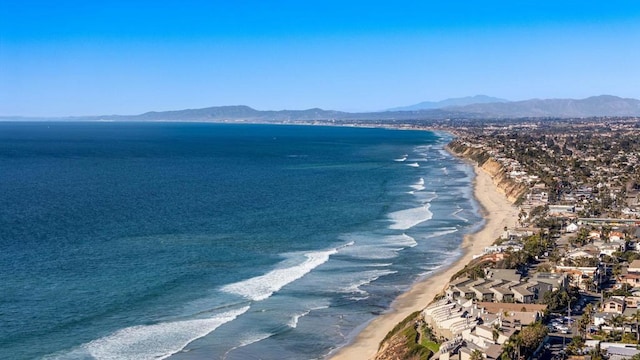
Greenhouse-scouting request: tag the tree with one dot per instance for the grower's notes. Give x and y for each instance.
(532, 336)
(618, 321)
(583, 322)
(495, 332)
(577, 343)
(635, 318)
(476, 355)
(508, 351)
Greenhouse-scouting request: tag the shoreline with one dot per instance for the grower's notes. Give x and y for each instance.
(497, 212)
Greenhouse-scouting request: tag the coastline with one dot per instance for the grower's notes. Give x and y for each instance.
(497, 211)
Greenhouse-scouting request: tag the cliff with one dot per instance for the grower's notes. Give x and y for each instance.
(505, 184)
(405, 341)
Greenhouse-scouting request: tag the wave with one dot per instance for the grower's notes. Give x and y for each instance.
(403, 158)
(413, 164)
(425, 196)
(373, 252)
(455, 214)
(252, 339)
(407, 241)
(262, 287)
(406, 219)
(369, 277)
(153, 342)
(444, 170)
(441, 233)
(419, 185)
(375, 247)
(293, 323)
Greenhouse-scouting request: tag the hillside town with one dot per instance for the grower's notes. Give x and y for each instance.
(565, 282)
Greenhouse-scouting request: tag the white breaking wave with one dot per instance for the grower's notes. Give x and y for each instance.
(441, 233)
(263, 286)
(293, 323)
(455, 213)
(368, 277)
(413, 164)
(153, 342)
(425, 196)
(380, 265)
(406, 219)
(374, 247)
(407, 241)
(419, 185)
(252, 339)
(403, 158)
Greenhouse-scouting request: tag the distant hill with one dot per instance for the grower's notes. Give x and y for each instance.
(234, 113)
(468, 100)
(603, 105)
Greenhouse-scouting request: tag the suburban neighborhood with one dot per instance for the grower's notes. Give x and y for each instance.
(565, 282)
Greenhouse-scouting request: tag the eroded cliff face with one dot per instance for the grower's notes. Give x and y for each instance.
(505, 184)
(404, 342)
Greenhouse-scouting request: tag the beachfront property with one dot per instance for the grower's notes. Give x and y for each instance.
(506, 285)
(482, 326)
(449, 319)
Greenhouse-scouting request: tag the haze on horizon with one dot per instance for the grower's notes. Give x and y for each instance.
(74, 58)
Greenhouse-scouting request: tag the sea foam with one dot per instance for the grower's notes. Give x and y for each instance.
(251, 338)
(153, 342)
(419, 185)
(364, 278)
(262, 287)
(406, 219)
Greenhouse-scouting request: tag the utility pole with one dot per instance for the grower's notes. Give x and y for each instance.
(564, 338)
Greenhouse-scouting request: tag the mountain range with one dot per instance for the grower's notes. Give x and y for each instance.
(479, 106)
(474, 107)
(452, 102)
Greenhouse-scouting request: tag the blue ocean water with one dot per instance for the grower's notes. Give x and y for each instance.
(201, 241)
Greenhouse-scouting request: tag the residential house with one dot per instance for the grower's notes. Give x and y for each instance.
(614, 304)
(523, 294)
(616, 236)
(450, 318)
(581, 277)
(502, 294)
(571, 228)
(557, 281)
(632, 301)
(629, 278)
(502, 274)
(634, 267)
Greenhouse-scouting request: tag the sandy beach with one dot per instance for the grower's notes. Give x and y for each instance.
(498, 213)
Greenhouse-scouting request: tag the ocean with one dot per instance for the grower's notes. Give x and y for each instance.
(216, 241)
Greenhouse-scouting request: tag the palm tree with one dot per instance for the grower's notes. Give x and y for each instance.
(476, 355)
(508, 351)
(616, 321)
(635, 317)
(517, 342)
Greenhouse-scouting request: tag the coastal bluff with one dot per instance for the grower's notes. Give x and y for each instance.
(512, 189)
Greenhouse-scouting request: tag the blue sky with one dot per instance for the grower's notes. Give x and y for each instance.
(62, 57)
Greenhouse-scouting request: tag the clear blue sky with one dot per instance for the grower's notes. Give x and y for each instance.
(127, 57)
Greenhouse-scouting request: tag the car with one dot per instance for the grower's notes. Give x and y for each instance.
(563, 329)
